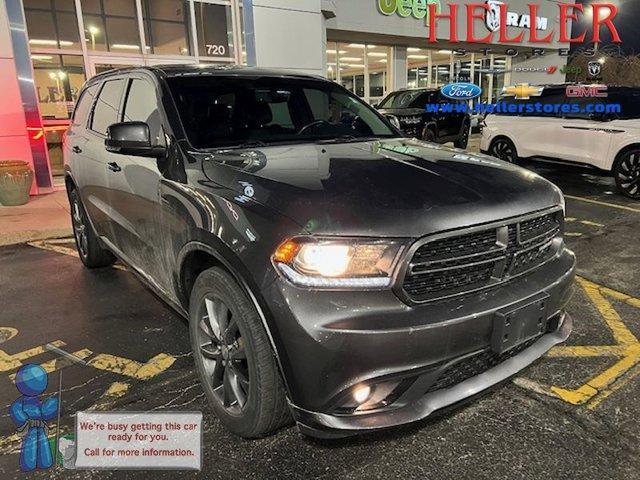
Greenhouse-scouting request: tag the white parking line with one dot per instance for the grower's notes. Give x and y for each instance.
(604, 204)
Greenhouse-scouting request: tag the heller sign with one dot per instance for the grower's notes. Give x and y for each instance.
(497, 18)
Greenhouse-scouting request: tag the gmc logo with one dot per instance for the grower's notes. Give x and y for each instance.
(590, 91)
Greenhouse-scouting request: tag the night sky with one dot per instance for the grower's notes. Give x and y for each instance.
(627, 23)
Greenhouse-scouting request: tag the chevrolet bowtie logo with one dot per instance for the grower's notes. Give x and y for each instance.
(522, 91)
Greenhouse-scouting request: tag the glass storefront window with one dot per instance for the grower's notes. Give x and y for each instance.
(418, 67)
(52, 24)
(332, 61)
(352, 67)
(111, 25)
(58, 80)
(214, 27)
(500, 64)
(378, 60)
(166, 27)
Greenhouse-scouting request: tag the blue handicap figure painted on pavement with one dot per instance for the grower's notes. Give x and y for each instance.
(30, 415)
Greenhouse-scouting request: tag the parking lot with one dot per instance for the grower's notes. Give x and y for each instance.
(574, 414)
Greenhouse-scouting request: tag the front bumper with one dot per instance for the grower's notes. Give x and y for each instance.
(330, 342)
(334, 426)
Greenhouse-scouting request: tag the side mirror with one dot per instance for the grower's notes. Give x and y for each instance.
(132, 138)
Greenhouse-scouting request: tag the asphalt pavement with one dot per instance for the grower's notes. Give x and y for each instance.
(574, 414)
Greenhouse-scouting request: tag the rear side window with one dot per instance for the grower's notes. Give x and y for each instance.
(142, 106)
(105, 112)
(83, 107)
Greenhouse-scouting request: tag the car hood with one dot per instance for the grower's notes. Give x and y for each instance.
(387, 188)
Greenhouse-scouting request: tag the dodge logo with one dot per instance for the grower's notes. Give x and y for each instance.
(595, 68)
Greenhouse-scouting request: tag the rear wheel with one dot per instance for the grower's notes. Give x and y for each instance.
(504, 149)
(89, 249)
(627, 174)
(233, 357)
(463, 140)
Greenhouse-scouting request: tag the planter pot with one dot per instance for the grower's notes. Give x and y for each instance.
(15, 182)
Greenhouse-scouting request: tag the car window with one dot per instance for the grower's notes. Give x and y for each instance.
(402, 99)
(105, 112)
(629, 103)
(220, 111)
(83, 107)
(142, 106)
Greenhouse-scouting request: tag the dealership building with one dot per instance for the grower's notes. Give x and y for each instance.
(48, 48)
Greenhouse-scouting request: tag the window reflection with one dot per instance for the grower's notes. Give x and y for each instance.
(214, 27)
(166, 27)
(52, 24)
(111, 25)
(58, 80)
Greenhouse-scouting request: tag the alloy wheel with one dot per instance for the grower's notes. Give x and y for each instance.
(224, 356)
(504, 150)
(629, 174)
(80, 228)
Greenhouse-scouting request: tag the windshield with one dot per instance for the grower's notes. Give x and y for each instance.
(407, 99)
(226, 112)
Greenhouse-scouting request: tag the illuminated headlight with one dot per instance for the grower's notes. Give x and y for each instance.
(338, 263)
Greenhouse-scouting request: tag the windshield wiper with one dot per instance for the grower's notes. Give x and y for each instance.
(239, 146)
(346, 139)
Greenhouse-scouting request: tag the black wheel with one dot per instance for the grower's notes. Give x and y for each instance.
(429, 135)
(89, 249)
(463, 140)
(233, 357)
(627, 174)
(504, 149)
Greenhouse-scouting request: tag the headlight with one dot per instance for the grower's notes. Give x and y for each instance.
(394, 121)
(338, 263)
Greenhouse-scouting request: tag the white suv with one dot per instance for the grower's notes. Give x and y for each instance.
(609, 142)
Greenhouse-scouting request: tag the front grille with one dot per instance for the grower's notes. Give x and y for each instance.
(475, 365)
(458, 264)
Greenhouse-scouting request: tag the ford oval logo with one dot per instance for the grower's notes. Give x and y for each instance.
(461, 91)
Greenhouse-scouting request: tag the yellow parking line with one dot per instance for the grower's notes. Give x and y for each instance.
(573, 234)
(614, 388)
(11, 362)
(131, 368)
(59, 363)
(604, 204)
(620, 331)
(589, 223)
(115, 391)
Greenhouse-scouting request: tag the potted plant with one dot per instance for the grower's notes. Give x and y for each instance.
(15, 182)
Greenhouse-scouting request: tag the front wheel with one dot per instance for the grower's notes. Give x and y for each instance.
(627, 174)
(233, 357)
(504, 149)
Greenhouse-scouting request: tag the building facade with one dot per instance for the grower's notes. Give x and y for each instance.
(48, 48)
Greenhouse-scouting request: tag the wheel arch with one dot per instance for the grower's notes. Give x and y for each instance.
(196, 257)
(622, 152)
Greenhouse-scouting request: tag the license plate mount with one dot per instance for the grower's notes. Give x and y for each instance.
(519, 323)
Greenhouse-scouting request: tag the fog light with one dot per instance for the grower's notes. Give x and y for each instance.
(361, 393)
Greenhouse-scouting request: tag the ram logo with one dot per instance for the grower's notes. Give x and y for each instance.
(492, 15)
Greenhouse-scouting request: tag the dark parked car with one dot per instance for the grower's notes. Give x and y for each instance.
(332, 272)
(406, 109)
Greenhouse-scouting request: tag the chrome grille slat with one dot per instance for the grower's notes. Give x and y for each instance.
(464, 262)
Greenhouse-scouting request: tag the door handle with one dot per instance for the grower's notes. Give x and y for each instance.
(76, 149)
(114, 167)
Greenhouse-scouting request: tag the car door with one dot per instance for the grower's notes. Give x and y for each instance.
(584, 137)
(95, 176)
(538, 126)
(134, 186)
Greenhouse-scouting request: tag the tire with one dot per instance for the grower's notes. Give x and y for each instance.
(504, 149)
(233, 357)
(428, 135)
(463, 140)
(627, 174)
(89, 249)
